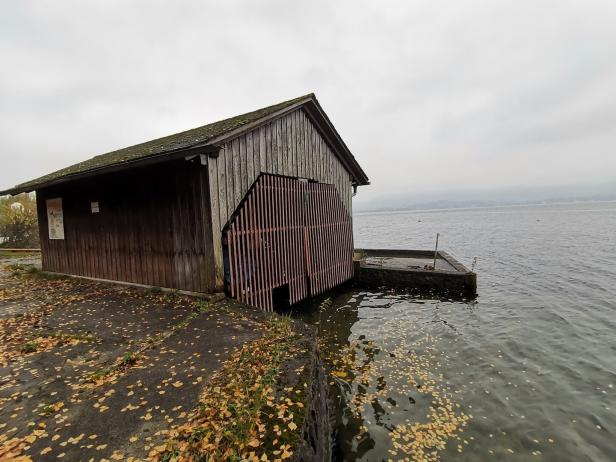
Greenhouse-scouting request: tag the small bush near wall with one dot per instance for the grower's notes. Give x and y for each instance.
(18, 222)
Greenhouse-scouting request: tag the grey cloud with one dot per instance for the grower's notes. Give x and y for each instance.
(432, 97)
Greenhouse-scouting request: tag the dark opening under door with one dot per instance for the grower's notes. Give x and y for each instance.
(289, 239)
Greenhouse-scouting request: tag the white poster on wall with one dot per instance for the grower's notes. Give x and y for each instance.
(55, 218)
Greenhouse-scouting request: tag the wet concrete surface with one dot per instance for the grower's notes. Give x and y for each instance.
(405, 263)
(15, 307)
(51, 406)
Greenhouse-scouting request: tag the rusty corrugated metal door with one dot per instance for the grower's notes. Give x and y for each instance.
(287, 233)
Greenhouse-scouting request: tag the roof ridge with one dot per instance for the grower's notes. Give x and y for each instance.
(176, 141)
(287, 102)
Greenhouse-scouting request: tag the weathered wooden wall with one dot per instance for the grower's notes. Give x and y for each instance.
(291, 146)
(153, 228)
(162, 225)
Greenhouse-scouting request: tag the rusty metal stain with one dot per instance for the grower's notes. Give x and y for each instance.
(287, 231)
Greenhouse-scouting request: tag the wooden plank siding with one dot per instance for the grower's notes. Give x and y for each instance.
(161, 225)
(290, 145)
(153, 227)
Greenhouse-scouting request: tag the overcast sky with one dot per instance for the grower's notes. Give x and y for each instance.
(433, 97)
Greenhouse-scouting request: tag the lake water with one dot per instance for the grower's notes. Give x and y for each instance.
(527, 371)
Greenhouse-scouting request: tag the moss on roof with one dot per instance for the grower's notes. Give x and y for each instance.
(182, 140)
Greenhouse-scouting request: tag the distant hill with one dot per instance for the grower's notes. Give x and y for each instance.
(469, 199)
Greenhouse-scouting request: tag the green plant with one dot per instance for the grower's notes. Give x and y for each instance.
(18, 270)
(281, 323)
(202, 306)
(86, 338)
(30, 271)
(49, 276)
(12, 254)
(29, 347)
(197, 435)
(170, 455)
(100, 373)
(129, 359)
(325, 304)
(171, 295)
(18, 221)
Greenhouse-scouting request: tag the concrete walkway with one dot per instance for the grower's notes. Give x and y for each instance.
(70, 400)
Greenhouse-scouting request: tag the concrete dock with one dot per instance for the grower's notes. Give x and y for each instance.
(413, 270)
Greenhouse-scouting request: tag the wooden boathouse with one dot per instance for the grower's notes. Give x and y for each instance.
(258, 205)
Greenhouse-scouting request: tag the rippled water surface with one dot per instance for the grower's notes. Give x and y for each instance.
(526, 371)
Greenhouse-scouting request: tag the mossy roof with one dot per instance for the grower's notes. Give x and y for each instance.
(199, 136)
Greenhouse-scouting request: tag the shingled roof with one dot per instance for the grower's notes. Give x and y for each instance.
(197, 137)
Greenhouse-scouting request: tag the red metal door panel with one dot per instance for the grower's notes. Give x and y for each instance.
(287, 232)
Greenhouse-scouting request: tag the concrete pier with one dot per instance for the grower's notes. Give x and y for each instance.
(413, 270)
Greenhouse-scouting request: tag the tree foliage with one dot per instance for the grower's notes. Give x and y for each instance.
(18, 222)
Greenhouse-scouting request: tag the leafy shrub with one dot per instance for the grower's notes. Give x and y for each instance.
(18, 222)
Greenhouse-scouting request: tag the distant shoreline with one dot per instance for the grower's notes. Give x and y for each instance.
(481, 207)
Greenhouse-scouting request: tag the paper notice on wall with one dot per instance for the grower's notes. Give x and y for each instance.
(55, 218)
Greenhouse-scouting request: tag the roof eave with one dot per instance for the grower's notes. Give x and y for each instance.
(162, 157)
